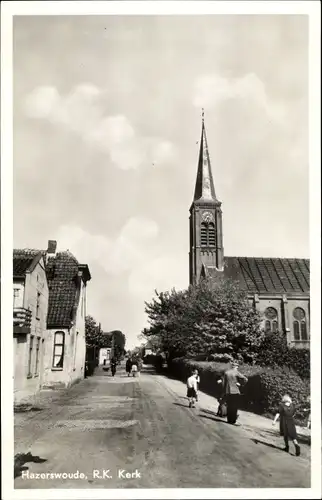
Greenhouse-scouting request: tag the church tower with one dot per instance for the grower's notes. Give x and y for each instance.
(206, 236)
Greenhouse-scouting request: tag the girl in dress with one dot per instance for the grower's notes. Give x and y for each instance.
(285, 413)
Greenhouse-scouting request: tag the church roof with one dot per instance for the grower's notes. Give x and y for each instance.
(204, 189)
(267, 275)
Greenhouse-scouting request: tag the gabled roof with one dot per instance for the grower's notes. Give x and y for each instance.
(25, 260)
(267, 275)
(63, 282)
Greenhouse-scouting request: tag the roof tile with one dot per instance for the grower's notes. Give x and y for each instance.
(270, 275)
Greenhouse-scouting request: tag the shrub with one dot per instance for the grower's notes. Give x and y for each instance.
(275, 352)
(264, 390)
(156, 360)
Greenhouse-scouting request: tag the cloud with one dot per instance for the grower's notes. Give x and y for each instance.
(128, 249)
(162, 273)
(211, 90)
(81, 112)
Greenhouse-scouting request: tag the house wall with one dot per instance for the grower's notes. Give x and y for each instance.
(29, 349)
(74, 350)
(290, 305)
(19, 286)
(285, 306)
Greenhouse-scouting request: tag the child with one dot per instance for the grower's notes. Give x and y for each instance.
(134, 370)
(198, 384)
(287, 425)
(192, 388)
(308, 424)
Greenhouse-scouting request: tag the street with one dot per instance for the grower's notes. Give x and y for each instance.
(139, 433)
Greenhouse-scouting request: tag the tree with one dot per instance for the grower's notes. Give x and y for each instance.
(118, 342)
(210, 319)
(94, 335)
(92, 332)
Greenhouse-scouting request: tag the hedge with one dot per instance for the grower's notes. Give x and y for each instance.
(263, 391)
(274, 351)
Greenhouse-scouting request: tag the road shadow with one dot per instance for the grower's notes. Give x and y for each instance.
(23, 408)
(215, 419)
(209, 412)
(180, 404)
(21, 459)
(303, 439)
(270, 445)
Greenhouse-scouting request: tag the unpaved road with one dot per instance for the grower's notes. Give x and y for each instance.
(121, 424)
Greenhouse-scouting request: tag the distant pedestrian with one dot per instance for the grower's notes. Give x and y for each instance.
(285, 414)
(128, 366)
(113, 366)
(231, 382)
(134, 369)
(192, 388)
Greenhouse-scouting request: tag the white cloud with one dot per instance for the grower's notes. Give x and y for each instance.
(128, 250)
(42, 102)
(160, 273)
(81, 112)
(211, 90)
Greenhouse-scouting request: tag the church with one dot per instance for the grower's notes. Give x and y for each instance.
(277, 287)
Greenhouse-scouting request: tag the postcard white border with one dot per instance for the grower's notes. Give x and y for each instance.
(8, 10)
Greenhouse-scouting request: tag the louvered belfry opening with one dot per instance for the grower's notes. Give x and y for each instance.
(207, 235)
(204, 234)
(211, 234)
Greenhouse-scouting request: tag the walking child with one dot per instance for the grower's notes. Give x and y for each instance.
(285, 414)
(134, 369)
(192, 389)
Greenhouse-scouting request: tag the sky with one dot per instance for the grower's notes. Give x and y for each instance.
(107, 117)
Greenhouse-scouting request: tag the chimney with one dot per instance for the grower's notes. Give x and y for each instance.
(51, 249)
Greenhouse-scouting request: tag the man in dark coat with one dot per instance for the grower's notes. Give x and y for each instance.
(128, 366)
(231, 383)
(113, 366)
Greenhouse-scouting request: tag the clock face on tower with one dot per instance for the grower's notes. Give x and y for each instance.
(207, 217)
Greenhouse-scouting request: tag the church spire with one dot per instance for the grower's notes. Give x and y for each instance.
(204, 190)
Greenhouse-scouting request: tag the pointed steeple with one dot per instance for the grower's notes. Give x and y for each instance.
(204, 190)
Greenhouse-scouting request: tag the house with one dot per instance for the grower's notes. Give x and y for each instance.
(65, 348)
(104, 355)
(30, 305)
(49, 309)
(278, 287)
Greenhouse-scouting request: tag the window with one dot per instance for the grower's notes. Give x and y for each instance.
(271, 320)
(31, 344)
(299, 324)
(59, 344)
(16, 292)
(37, 356)
(38, 305)
(207, 234)
(203, 234)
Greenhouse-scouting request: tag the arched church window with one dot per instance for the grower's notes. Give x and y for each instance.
(271, 319)
(299, 324)
(211, 234)
(203, 234)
